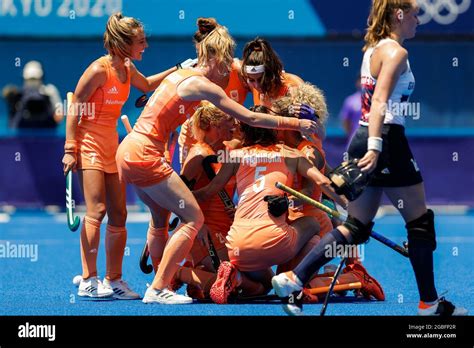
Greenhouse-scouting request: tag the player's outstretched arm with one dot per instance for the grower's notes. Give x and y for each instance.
(200, 88)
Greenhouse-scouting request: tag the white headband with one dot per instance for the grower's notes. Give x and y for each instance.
(254, 69)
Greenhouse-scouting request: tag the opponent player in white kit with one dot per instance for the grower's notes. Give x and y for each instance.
(383, 149)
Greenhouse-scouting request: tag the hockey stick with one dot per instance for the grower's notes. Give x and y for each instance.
(331, 287)
(73, 221)
(402, 250)
(223, 195)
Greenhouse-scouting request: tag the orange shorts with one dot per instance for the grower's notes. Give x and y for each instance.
(97, 146)
(255, 245)
(140, 162)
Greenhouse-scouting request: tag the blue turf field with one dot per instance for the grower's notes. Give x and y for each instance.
(45, 287)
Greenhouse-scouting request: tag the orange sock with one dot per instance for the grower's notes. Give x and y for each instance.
(175, 251)
(300, 256)
(197, 277)
(424, 305)
(156, 240)
(115, 240)
(90, 238)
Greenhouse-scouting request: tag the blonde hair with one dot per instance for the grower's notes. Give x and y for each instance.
(217, 44)
(306, 93)
(205, 117)
(119, 34)
(380, 19)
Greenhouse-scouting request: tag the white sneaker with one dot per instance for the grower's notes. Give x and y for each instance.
(121, 289)
(93, 287)
(284, 284)
(165, 297)
(442, 308)
(290, 293)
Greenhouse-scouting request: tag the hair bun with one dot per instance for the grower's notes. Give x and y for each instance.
(206, 25)
(256, 45)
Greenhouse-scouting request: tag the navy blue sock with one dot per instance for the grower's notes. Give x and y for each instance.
(317, 258)
(421, 258)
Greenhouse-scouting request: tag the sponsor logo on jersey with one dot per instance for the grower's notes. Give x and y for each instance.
(113, 90)
(114, 102)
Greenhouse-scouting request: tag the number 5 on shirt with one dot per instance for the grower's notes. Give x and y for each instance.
(259, 179)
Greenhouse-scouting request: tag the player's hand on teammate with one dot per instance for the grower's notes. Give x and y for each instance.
(188, 63)
(308, 128)
(69, 162)
(307, 113)
(369, 161)
(304, 112)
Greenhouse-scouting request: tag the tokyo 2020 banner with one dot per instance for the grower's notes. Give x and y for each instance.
(175, 18)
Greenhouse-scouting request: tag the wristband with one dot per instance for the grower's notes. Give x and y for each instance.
(289, 123)
(70, 146)
(374, 143)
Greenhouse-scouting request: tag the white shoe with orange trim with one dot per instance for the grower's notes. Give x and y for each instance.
(441, 308)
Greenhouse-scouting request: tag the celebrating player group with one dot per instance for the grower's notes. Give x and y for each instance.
(236, 222)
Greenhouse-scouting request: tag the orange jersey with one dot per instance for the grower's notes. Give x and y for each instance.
(260, 168)
(261, 239)
(165, 110)
(289, 80)
(105, 105)
(96, 132)
(140, 156)
(235, 90)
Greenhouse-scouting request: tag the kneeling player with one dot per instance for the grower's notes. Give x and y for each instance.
(259, 238)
